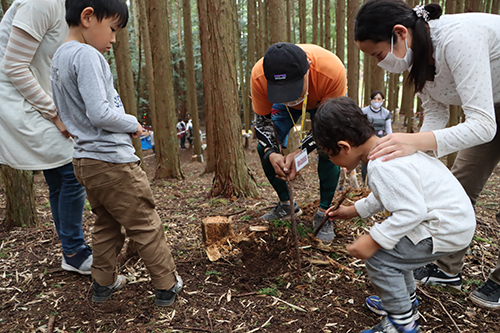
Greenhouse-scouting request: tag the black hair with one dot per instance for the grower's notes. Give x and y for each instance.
(377, 92)
(102, 9)
(375, 21)
(340, 119)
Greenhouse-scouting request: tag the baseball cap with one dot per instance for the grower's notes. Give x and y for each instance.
(285, 65)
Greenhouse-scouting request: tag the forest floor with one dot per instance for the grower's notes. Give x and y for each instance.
(253, 288)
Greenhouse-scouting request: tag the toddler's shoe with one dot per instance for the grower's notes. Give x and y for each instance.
(167, 297)
(103, 293)
(388, 326)
(374, 304)
(79, 263)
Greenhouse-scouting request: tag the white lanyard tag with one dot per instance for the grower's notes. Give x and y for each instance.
(301, 160)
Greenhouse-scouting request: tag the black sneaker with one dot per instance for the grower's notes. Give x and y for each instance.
(103, 293)
(488, 295)
(167, 297)
(281, 212)
(432, 275)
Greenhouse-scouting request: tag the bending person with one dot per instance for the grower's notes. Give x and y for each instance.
(453, 60)
(288, 82)
(34, 137)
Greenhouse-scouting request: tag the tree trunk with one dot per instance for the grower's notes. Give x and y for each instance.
(328, 25)
(407, 102)
(232, 176)
(148, 59)
(251, 11)
(302, 21)
(315, 21)
(126, 81)
(262, 28)
(340, 30)
(393, 93)
(5, 5)
(289, 20)
(367, 64)
(352, 53)
(495, 6)
(167, 147)
(192, 103)
(321, 23)
(377, 77)
(459, 6)
(134, 5)
(277, 12)
(472, 6)
(20, 204)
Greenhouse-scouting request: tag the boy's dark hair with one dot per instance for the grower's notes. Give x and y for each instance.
(340, 119)
(102, 9)
(375, 21)
(377, 92)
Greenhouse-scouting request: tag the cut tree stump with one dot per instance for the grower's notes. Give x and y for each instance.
(215, 231)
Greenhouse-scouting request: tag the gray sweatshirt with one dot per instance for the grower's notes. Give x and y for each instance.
(89, 106)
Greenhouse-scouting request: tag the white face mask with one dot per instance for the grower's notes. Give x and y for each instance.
(393, 64)
(376, 105)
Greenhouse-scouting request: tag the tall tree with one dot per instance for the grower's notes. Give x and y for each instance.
(340, 30)
(352, 53)
(408, 102)
(367, 63)
(277, 12)
(192, 103)
(472, 6)
(321, 24)
(5, 5)
(302, 21)
(377, 76)
(167, 147)
(289, 20)
(232, 176)
(20, 205)
(328, 25)
(123, 61)
(262, 28)
(495, 6)
(315, 21)
(393, 93)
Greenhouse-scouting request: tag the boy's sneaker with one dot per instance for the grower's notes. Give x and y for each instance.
(80, 262)
(374, 304)
(281, 212)
(326, 234)
(432, 274)
(103, 293)
(388, 326)
(487, 295)
(167, 297)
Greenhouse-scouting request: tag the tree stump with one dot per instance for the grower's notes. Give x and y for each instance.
(215, 231)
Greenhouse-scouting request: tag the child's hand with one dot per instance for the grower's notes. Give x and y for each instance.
(60, 126)
(138, 133)
(363, 247)
(342, 213)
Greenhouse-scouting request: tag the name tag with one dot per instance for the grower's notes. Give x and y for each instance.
(301, 160)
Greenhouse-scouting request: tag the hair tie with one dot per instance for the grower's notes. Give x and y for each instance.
(421, 12)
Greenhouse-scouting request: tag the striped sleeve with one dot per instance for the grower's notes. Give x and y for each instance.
(20, 51)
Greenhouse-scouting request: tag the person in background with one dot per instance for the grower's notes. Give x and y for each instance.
(380, 118)
(181, 132)
(288, 82)
(34, 138)
(453, 60)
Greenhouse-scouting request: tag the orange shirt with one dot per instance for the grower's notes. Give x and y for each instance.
(327, 79)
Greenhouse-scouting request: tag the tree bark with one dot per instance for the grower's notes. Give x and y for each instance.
(393, 94)
(302, 21)
(5, 5)
(472, 6)
(277, 12)
(262, 29)
(352, 53)
(192, 103)
(495, 6)
(232, 176)
(377, 77)
(321, 23)
(20, 204)
(167, 147)
(407, 102)
(340, 27)
(328, 25)
(126, 81)
(289, 20)
(367, 64)
(148, 58)
(315, 22)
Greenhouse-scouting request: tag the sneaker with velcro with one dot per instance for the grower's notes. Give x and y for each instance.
(431, 274)
(103, 293)
(487, 295)
(388, 326)
(374, 304)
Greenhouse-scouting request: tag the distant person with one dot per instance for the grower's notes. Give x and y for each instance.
(429, 214)
(181, 132)
(189, 132)
(380, 117)
(33, 137)
(288, 82)
(104, 159)
(453, 60)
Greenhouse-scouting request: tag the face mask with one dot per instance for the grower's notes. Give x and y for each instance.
(393, 64)
(376, 105)
(302, 98)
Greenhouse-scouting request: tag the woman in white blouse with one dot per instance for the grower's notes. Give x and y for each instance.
(453, 60)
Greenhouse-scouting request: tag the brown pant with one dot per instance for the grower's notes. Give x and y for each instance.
(120, 196)
(472, 168)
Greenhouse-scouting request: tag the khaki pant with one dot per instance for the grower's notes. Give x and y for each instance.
(120, 196)
(472, 168)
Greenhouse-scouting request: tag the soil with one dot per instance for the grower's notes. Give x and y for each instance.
(254, 287)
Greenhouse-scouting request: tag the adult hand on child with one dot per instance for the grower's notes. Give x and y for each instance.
(363, 247)
(402, 144)
(138, 133)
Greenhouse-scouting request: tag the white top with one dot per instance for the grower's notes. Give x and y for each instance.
(28, 140)
(424, 200)
(467, 60)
